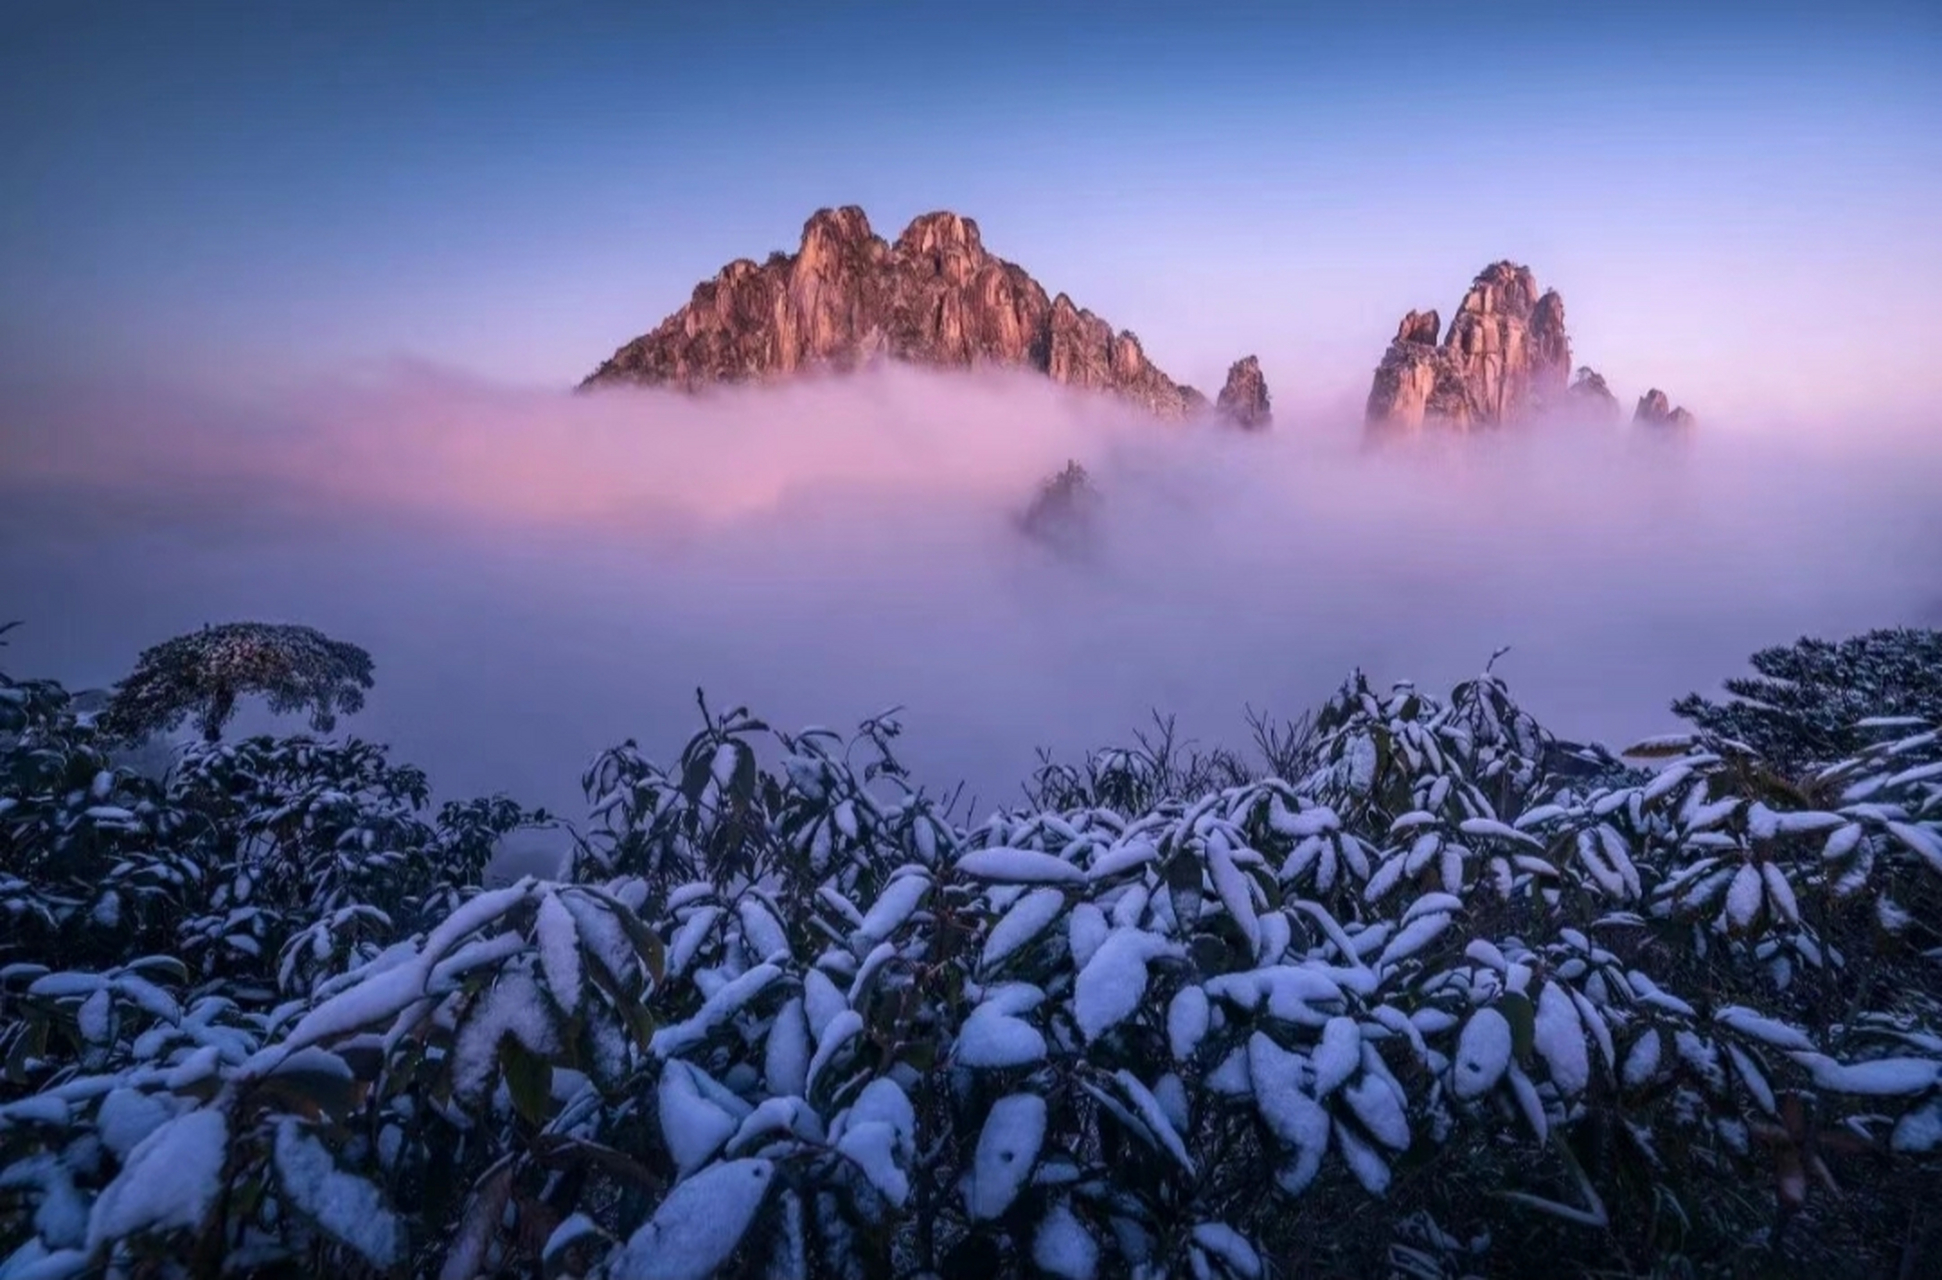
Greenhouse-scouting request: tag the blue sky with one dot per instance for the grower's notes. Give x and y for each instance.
(1737, 205)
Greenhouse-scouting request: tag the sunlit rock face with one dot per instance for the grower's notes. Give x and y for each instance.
(934, 297)
(1505, 357)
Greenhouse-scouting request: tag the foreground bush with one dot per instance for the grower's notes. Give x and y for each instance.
(1802, 708)
(1435, 1004)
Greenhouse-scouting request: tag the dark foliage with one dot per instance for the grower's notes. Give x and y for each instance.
(1429, 995)
(1804, 707)
(204, 673)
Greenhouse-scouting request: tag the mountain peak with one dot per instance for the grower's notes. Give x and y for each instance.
(1506, 355)
(1244, 399)
(1655, 410)
(935, 297)
(942, 232)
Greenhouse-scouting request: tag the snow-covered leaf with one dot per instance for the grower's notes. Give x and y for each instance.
(1008, 1147)
(699, 1225)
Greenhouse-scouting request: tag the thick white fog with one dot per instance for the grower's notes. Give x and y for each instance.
(540, 575)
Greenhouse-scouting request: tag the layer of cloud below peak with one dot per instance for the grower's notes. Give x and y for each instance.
(540, 575)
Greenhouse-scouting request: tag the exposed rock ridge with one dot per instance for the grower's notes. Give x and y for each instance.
(1506, 355)
(935, 297)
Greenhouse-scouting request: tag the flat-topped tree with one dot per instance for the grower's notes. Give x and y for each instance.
(203, 673)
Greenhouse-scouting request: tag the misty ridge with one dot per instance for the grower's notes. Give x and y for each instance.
(541, 574)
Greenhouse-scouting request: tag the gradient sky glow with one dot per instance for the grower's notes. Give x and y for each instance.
(1738, 203)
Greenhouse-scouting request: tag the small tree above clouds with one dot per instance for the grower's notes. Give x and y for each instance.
(1804, 706)
(203, 675)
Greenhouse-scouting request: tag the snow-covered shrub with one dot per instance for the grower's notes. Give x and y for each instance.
(94, 868)
(1803, 707)
(318, 852)
(1431, 1005)
(1157, 767)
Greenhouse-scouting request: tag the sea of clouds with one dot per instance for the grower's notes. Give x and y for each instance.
(540, 574)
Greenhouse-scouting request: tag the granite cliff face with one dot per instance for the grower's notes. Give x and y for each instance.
(1655, 410)
(1506, 355)
(935, 297)
(1244, 399)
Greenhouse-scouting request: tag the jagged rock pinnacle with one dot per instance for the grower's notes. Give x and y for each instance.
(1244, 398)
(1505, 356)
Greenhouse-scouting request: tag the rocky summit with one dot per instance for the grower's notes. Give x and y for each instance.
(1244, 399)
(1655, 410)
(1505, 355)
(935, 297)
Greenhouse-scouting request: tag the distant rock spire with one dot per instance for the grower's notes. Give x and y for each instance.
(1244, 399)
(1655, 410)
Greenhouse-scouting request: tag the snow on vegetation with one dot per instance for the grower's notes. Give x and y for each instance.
(1174, 1016)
